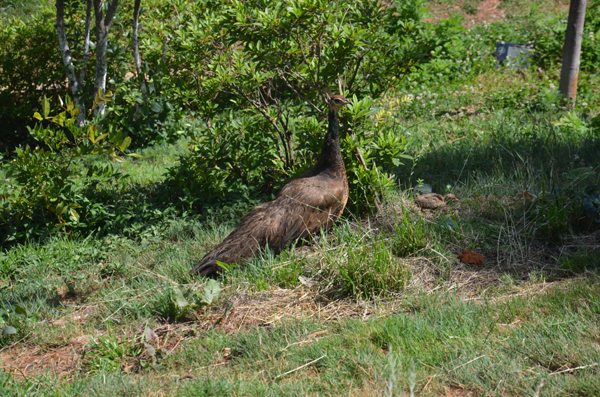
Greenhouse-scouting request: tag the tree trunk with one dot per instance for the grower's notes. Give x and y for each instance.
(136, 56)
(572, 49)
(86, 56)
(102, 28)
(75, 83)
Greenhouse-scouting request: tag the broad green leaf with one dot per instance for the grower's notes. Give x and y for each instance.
(211, 292)
(61, 208)
(179, 298)
(74, 215)
(156, 107)
(135, 155)
(125, 144)
(38, 116)
(92, 130)
(60, 118)
(9, 330)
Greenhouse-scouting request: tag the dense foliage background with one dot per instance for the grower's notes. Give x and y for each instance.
(244, 83)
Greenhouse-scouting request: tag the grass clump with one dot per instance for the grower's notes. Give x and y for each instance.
(410, 235)
(581, 261)
(109, 353)
(371, 271)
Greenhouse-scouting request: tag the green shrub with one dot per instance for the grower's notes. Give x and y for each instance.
(44, 192)
(176, 303)
(31, 68)
(263, 101)
(110, 353)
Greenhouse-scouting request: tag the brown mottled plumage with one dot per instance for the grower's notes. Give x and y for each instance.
(309, 202)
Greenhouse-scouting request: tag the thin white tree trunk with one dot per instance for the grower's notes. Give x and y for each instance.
(136, 56)
(75, 83)
(572, 49)
(86, 56)
(103, 23)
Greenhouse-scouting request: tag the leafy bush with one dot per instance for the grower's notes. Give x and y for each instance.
(31, 67)
(110, 353)
(44, 193)
(550, 39)
(263, 89)
(14, 323)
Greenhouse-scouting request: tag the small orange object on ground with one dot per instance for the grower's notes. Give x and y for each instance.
(471, 258)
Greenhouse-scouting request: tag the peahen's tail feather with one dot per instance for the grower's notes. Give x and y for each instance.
(206, 268)
(240, 245)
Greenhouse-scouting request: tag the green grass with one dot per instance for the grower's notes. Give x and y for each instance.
(497, 347)
(376, 306)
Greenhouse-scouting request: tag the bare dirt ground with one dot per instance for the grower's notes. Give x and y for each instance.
(487, 10)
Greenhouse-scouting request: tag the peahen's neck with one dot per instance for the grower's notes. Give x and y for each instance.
(331, 154)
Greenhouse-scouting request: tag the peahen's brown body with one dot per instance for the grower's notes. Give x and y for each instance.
(309, 202)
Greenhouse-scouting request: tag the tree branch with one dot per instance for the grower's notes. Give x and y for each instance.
(349, 86)
(287, 82)
(110, 14)
(75, 83)
(86, 42)
(258, 107)
(102, 27)
(136, 50)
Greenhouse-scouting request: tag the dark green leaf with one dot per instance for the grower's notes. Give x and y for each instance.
(20, 310)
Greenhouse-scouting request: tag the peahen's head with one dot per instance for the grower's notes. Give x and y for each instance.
(336, 102)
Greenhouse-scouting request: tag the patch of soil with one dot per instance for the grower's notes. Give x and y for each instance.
(487, 10)
(263, 309)
(24, 361)
(79, 316)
